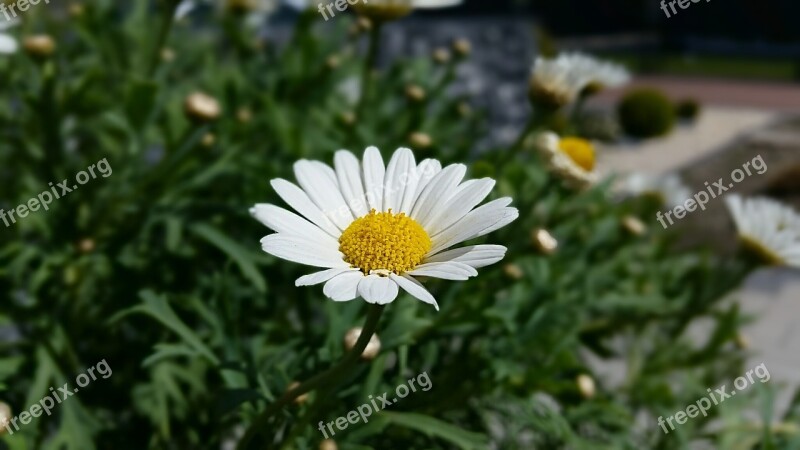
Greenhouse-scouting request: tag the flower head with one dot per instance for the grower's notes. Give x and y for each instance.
(386, 10)
(571, 158)
(376, 228)
(767, 228)
(596, 75)
(556, 82)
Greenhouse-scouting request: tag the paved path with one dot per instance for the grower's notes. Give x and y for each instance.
(777, 97)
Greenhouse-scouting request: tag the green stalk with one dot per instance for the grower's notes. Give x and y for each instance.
(161, 38)
(369, 66)
(330, 376)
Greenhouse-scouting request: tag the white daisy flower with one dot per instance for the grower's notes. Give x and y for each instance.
(571, 158)
(554, 81)
(375, 228)
(8, 44)
(256, 10)
(767, 227)
(669, 189)
(384, 10)
(596, 74)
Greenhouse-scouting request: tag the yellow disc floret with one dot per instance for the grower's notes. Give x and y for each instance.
(580, 151)
(384, 241)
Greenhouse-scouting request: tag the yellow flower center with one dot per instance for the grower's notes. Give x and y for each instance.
(384, 241)
(761, 251)
(580, 151)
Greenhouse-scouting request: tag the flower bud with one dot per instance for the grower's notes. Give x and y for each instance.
(167, 55)
(5, 418)
(328, 444)
(347, 118)
(742, 342)
(464, 109)
(300, 399)
(415, 93)
(462, 47)
(544, 241)
(86, 245)
(420, 140)
(40, 45)
(373, 346)
(333, 62)
(513, 271)
(209, 139)
(633, 225)
(244, 115)
(200, 107)
(441, 56)
(586, 386)
(75, 10)
(383, 10)
(364, 24)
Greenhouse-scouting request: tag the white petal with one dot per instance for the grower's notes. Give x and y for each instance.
(344, 287)
(320, 277)
(299, 201)
(302, 251)
(348, 172)
(468, 196)
(439, 190)
(319, 182)
(289, 223)
(427, 169)
(183, 9)
(478, 222)
(374, 173)
(476, 256)
(413, 287)
(401, 170)
(8, 44)
(446, 270)
(378, 289)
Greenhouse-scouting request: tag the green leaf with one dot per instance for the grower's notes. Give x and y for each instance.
(465, 440)
(239, 254)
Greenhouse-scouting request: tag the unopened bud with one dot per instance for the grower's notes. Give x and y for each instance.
(75, 10)
(301, 398)
(415, 93)
(633, 225)
(333, 62)
(441, 56)
(586, 386)
(167, 54)
(201, 107)
(244, 115)
(513, 271)
(420, 140)
(347, 118)
(462, 47)
(544, 241)
(208, 140)
(328, 444)
(742, 342)
(86, 245)
(370, 351)
(40, 45)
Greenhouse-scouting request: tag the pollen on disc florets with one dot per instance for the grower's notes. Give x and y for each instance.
(579, 150)
(384, 241)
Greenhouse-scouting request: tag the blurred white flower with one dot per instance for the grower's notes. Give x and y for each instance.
(555, 82)
(768, 228)
(596, 74)
(256, 10)
(669, 189)
(376, 228)
(8, 44)
(571, 158)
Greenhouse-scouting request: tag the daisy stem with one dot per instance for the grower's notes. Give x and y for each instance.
(330, 376)
(369, 66)
(163, 33)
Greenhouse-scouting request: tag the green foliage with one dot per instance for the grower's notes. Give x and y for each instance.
(688, 109)
(158, 269)
(646, 112)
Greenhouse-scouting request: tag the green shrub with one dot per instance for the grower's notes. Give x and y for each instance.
(646, 112)
(687, 109)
